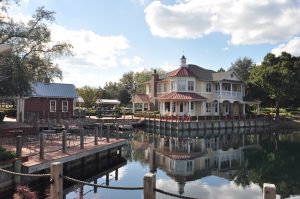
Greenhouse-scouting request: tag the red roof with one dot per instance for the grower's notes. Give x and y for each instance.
(143, 97)
(182, 72)
(182, 96)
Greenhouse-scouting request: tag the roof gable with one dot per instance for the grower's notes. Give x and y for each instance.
(228, 75)
(56, 90)
(181, 72)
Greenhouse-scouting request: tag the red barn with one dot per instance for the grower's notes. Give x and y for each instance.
(48, 100)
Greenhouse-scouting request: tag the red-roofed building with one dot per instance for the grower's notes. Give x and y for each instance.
(192, 90)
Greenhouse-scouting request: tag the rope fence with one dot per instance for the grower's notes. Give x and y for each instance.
(61, 177)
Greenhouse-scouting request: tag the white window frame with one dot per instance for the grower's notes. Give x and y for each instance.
(191, 85)
(62, 106)
(173, 86)
(208, 107)
(208, 87)
(51, 101)
(181, 85)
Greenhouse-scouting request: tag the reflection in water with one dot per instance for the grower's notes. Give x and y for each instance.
(224, 164)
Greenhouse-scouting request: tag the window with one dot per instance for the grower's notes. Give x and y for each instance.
(165, 87)
(216, 107)
(64, 107)
(208, 107)
(181, 85)
(189, 166)
(181, 107)
(192, 106)
(52, 105)
(217, 87)
(160, 88)
(190, 85)
(173, 86)
(208, 87)
(167, 106)
(174, 107)
(227, 87)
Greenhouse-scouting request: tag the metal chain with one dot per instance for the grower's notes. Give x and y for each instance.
(25, 174)
(172, 194)
(101, 186)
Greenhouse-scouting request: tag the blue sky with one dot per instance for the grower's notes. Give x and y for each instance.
(111, 37)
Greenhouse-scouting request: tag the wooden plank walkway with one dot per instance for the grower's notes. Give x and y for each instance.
(53, 152)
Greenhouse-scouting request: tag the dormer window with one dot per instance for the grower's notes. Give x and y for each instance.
(173, 86)
(208, 87)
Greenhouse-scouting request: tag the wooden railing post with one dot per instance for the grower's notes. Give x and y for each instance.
(269, 191)
(17, 169)
(82, 138)
(96, 135)
(19, 146)
(42, 145)
(108, 133)
(149, 186)
(56, 187)
(64, 141)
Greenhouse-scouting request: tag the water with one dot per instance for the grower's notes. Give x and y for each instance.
(229, 165)
(191, 166)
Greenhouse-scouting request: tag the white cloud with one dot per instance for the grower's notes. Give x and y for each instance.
(226, 190)
(136, 60)
(292, 47)
(247, 21)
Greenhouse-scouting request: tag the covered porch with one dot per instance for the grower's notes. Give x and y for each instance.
(141, 102)
(180, 104)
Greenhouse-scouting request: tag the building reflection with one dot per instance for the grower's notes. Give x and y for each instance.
(189, 159)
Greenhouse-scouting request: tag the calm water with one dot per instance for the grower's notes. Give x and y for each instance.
(226, 165)
(230, 165)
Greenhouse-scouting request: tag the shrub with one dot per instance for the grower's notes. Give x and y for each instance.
(6, 155)
(2, 115)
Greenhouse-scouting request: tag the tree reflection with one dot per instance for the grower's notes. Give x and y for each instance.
(277, 162)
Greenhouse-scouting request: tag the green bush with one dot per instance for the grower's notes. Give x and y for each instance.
(2, 115)
(6, 155)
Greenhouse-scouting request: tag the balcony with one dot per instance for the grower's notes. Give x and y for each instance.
(229, 95)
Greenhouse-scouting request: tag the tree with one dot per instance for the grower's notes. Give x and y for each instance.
(221, 70)
(279, 78)
(242, 67)
(32, 53)
(89, 95)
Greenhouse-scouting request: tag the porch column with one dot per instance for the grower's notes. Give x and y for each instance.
(231, 108)
(258, 111)
(143, 107)
(133, 107)
(189, 108)
(241, 91)
(220, 89)
(231, 90)
(244, 109)
(171, 108)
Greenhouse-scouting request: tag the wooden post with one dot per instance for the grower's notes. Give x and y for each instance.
(116, 175)
(96, 135)
(17, 169)
(19, 146)
(107, 179)
(149, 186)
(152, 160)
(42, 145)
(64, 141)
(81, 138)
(117, 131)
(108, 133)
(56, 187)
(101, 130)
(269, 191)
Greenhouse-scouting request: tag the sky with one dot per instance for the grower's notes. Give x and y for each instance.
(113, 37)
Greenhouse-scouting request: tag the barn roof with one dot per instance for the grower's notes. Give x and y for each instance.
(55, 90)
